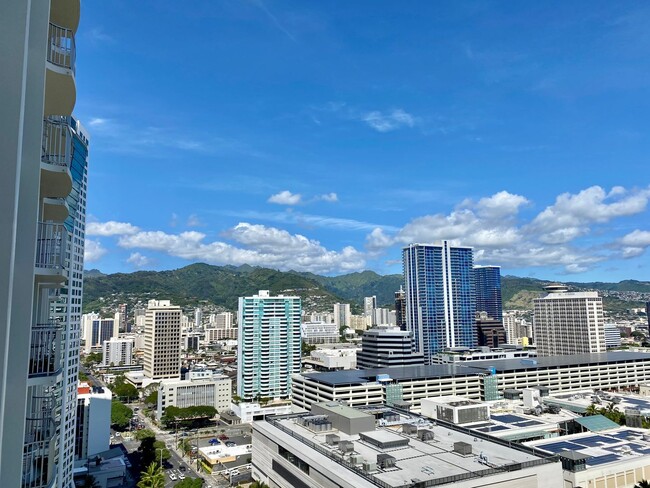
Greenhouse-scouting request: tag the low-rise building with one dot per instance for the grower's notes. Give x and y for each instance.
(479, 380)
(247, 412)
(93, 429)
(334, 358)
(400, 450)
(320, 332)
(117, 352)
(199, 390)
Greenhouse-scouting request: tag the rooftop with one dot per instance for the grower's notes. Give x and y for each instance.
(424, 460)
(360, 376)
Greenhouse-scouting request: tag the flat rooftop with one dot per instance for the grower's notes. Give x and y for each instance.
(605, 447)
(361, 376)
(419, 459)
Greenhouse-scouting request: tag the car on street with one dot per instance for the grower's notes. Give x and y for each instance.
(214, 441)
(230, 444)
(223, 437)
(172, 476)
(182, 468)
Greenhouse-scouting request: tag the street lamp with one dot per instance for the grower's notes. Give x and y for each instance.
(161, 449)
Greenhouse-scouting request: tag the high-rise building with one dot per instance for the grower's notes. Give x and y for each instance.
(97, 330)
(487, 286)
(369, 304)
(122, 319)
(400, 308)
(269, 345)
(439, 288)
(43, 198)
(162, 340)
(384, 346)
(612, 336)
(117, 352)
(342, 314)
(491, 332)
(647, 313)
(568, 322)
(198, 318)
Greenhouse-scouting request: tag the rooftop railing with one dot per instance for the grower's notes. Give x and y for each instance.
(62, 50)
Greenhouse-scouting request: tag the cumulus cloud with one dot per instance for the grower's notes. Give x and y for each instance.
(110, 228)
(253, 244)
(551, 238)
(93, 250)
(572, 214)
(635, 243)
(138, 260)
(387, 122)
(285, 198)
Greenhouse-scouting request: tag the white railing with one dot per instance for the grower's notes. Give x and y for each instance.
(57, 141)
(50, 246)
(62, 50)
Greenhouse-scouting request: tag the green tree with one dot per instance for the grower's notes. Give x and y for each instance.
(124, 391)
(259, 484)
(592, 409)
(152, 398)
(185, 446)
(92, 359)
(142, 434)
(152, 477)
(120, 415)
(307, 348)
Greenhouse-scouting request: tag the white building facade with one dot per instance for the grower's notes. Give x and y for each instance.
(117, 352)
(93, 413)
(210, 390)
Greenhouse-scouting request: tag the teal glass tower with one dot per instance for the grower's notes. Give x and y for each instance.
(269, 345)
(440, 297)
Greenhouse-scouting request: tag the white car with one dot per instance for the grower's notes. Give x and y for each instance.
(172, 476)
(181, 476)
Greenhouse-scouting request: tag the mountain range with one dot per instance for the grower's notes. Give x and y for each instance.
(220, 287)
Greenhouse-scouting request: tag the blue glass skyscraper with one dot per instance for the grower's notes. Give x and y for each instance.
(440, 297)
(487, 283)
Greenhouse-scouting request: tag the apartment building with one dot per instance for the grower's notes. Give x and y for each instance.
(43, 196)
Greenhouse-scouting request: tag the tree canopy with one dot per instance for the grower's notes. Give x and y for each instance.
(190, 483)
(173, 414)
(123, 390)
(152, 477)
(120, 415)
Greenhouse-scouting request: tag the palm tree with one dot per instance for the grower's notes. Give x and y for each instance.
(642, 484)
(261, 484)
(185, 446)
(592, 410)
(90, 482)
(152, 477)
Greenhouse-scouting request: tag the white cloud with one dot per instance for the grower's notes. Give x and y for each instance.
(138, 260)
(493, 226)
(386, 122)
(110, 228)
(635, 243)
(285, 198)
(571, 214)
(329, 197)
(93, 250)
(97, 122)
(257, 245)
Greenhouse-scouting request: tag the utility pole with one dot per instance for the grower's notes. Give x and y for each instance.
(161, 451)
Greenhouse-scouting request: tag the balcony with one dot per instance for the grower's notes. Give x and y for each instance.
(65, 13)
(39, 425)
(44, 351)
(60, 88)
(56, 157)
(50, 252)
(55, 209)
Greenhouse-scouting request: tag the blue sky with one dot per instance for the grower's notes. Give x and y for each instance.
(324, 136)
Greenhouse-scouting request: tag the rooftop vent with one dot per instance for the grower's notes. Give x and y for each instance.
(462, 448)
(409, 429)
(346, 446)
(426, 435)
(332, 439)
(386, 461)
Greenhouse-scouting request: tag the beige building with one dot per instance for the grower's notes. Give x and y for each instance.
(568, 323)
(162, 340)
(200, 388)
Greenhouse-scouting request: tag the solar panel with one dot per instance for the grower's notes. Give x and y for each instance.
(508, 419)
(528, 423)
(494, 428)
(608, 458)
(556, 447)
(482, 424)
(596, 440)
(626, 434)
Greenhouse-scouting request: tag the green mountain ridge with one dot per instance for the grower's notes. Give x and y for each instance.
(221, 286)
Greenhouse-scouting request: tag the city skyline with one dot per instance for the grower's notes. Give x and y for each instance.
(323, 139)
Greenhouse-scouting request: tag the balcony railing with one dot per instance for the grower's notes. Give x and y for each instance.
(50, 246)
(62, 50)
(40, 426)
(57, 141)
(43, 351)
